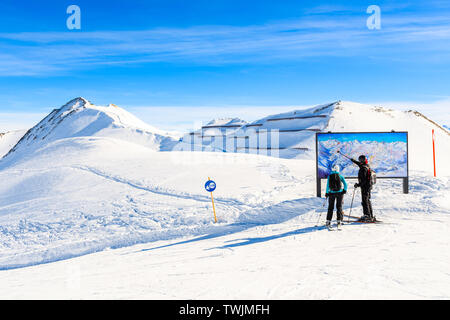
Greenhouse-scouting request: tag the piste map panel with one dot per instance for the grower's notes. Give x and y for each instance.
(387, 153)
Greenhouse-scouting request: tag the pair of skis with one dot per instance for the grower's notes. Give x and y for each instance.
(353, 222)
(358, 220)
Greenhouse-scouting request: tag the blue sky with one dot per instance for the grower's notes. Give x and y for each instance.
(222, 56)
(379, 137)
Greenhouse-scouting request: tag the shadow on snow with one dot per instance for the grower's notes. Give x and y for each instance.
(275, 214)
(248, 241)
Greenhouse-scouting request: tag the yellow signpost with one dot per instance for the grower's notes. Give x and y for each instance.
(211, 186)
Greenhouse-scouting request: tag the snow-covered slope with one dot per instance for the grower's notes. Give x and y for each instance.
(84, 194)
(294, 131)
(9, 139)
(95, 197)
(293, 138)
(224, 123)
(292, 134)
(78, 183)
(350, 116)
(80, 118)
(212, 136)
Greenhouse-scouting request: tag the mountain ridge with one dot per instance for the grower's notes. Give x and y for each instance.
(296, 129)
(292, 134)
(79, 117)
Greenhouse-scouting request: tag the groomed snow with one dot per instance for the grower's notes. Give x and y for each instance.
(102, 192)
(267, 253)
(103, 217)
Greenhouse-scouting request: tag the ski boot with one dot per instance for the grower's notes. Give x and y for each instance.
(365, 218)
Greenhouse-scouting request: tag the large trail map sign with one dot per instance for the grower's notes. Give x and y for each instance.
(387, 153)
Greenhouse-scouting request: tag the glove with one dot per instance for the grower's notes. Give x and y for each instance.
(326, 195)
(356, 185)
(344, 191)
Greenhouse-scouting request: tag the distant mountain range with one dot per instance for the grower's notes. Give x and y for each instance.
(292, 134)
(285, 135)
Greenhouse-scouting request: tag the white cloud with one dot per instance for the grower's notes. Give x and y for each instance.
(54, 52)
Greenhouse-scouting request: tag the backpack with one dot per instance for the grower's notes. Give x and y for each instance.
(372, 177)
(334, 182)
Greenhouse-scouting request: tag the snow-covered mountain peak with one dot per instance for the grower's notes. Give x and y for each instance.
(292, 134)
(225, 122)
(81, 118)
(353, 116)
(80, 100)
(75, 104)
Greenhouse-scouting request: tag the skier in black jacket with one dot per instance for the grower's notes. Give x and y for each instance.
(364, 181)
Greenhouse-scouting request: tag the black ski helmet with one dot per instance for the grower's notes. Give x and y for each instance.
(362, 158)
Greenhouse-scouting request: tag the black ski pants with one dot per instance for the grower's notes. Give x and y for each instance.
(366, 203)
(339, 199)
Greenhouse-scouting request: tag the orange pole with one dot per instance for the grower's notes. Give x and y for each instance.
(434, 154)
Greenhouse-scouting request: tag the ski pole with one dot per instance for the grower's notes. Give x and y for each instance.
(351, 206)
(317, 223)
(344, 155)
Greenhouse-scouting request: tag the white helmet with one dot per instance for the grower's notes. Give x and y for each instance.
(336, 168)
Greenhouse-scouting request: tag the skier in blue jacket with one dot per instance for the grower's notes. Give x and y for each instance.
(336, 188)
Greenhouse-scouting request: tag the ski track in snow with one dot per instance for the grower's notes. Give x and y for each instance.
(103, 215)
(282, 231)
(160, 191)
(289, 260)
(28, 241)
